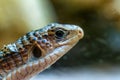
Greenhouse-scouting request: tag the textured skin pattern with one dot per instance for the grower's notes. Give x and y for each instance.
(37, 50)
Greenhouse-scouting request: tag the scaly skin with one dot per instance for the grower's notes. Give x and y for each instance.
(37, 50)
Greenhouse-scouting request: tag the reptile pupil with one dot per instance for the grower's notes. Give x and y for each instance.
(59, 34)
(37, 52)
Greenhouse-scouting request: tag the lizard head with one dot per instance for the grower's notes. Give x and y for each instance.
(55, 38)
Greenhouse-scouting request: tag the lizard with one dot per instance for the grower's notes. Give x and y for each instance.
(37, 50)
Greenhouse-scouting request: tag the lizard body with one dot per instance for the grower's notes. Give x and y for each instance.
(37, 50)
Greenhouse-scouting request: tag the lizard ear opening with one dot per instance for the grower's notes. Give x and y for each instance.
(37, 53)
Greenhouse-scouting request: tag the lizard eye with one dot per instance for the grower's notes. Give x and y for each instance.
(60, 33)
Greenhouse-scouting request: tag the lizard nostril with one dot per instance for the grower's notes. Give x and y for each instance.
(80, 32)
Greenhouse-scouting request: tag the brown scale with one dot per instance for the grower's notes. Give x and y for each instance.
(25, 56)
(2, 71)
(24, 52)
(45, 36)
(5, 65)
(5, 62)
(10, 60)
(25, 42)
(27, 48)
(51, 32)
(17, 58)
(51, 35)
(11, 63)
